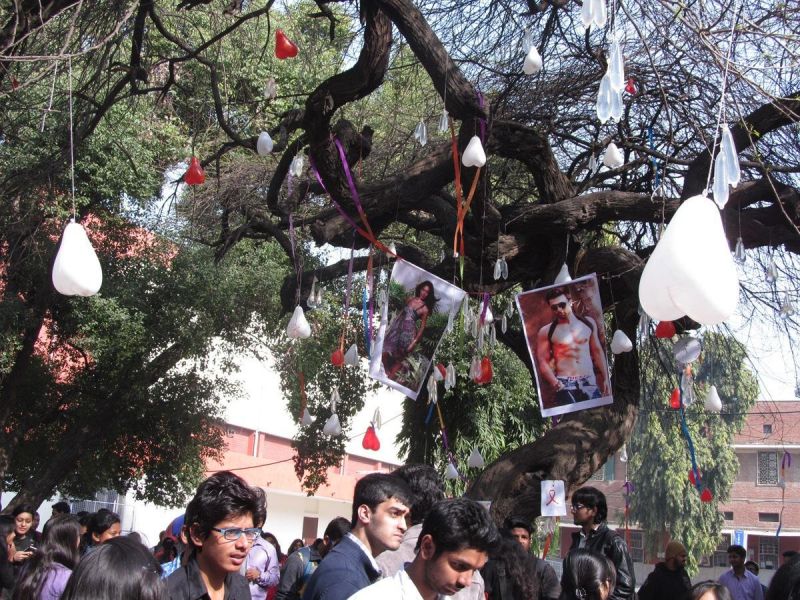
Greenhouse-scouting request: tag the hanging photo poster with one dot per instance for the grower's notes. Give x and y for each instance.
(566, 339)
(412, 323)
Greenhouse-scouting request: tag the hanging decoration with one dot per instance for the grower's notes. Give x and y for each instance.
(675, 399)
(631, 86)
(623, 453)
(421, 133)
(439, 372)
(563, 276)
(739, 254)
(337, 358)
(643, 328)
(474, 155)
(552, 498)
(351, 356)
(594, 13)
(332, 426)
(628, 488)
(444, 121)
(687, 386)
(76, 270)
(687, 350)
(371, 441)
(296, 166)
(270, 89)
(284, 47)
(451, 472)
(620, 342)
(482, 371)
(194, 174)
(691, 271)
(475, 459)
(533, 62)
(726, 168)
(613, 157)
(450, 377)
(298, 327)
(712, 402)
(500, 269)
(706, 495)
(771, 275)
(307, 418)
(264, 144)
(787, 308)
(665, 330)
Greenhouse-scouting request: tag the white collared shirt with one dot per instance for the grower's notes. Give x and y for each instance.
(397, 587)
(365, 550)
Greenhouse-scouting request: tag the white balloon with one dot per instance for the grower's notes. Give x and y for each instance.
(604, 99)
(616, 67)
(533, 62)
(613, 157)
(599, 12)
(76, 271)
(451, 472)
(586, 14)
(475, 459)
(264, 144)
(474, 156)
(563, 275)
(351, 356)
(298, 327)
(713, 402)
(332, 426)
(620, 342)
(307, 418)
(691, 271)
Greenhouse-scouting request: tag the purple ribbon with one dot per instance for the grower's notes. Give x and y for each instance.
(349, 175)
(348, 289)
(485, 307)
(336, 205)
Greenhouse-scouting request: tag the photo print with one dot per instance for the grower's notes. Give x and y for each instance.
(412, 323)
(565, 333)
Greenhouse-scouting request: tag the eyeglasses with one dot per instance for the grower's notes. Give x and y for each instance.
(234, 533)
(558, 305)
(577, 507)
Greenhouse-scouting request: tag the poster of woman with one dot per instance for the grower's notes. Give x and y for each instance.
(566, 338)
(413, 321)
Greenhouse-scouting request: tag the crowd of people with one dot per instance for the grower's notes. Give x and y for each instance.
(403, 541)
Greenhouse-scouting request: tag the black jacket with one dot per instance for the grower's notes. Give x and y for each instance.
(663, 584)
(186, 584)
(611, 544)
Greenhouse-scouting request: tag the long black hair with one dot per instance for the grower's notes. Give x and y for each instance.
(119, 569)
(519, 567)
(586, 573)
(60, 545)
(785, 584)
(431, 299)
(99, 523)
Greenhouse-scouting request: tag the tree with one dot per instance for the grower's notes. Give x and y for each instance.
(538, 201)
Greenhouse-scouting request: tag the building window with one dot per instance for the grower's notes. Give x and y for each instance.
(768, 517)
(767, 554)
(636, 548)
(767, 468)
(728, 515)
(766, 428)
(606, 472)
(720, 558)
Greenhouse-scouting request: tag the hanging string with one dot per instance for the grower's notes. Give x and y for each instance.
(71, 143)
(49, 108)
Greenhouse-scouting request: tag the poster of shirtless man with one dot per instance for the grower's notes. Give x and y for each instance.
(566, 338)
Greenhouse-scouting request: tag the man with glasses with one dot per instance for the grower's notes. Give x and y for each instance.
(589, 511)
(569, 356)
(220, 525)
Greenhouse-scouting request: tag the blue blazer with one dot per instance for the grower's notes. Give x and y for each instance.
(344, 571)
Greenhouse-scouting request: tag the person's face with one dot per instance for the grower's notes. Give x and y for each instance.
(523, 537)
(23, 523)
(582, 514)
(561, 306)
(218, 555)
(450, 571)
(424, 292)
(36, 521)
(10, 546)
(109, 533)
(735, 561)
(676, 562)
(385, 525)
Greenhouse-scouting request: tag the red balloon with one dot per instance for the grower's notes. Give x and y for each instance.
(665, 329)
(284, 47)
(692, 480)
(371, 441)
(194, 174)
(706, 495)
(442, 369)
(14, 84)
(675, 399)
(337, 358)
(487, 373)
(630, 87)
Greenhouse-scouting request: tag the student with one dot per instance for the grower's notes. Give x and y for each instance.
(741, 583)
(380, 505)
(455, 541)
(220, 525)
(589, 576)
(103, 526)
(49, 570)
(119, 569)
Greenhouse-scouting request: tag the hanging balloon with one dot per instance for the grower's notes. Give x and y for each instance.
(691, 271)
(620, 342)
(486, 373)
(307, 418)
(296, 167)
(298, 327)
(270, 89)
(787, 307)
(692, 478)
(732, 173)
(498, 269)
(444, 121)
(439, 372)
(371, 441)
(713, 402)
(739, 254)
(337, 358)
(687, 350)
(623, 454)
(616, 68)
(351, 356)
(643, 328)
(264, 144)
(421, 133)
(533, 62)
(604, 100)
(332, 426)
(451, 472)
(687, 386)
(665, 329)
(599, 12)
(720, 188)
(475, 459)
(450, 377)
(675, 399)
(474, 156)
(706, 496)
(76, 270)
(613, 157)
(563, 276)
(771, 275)
(284, 47)
(630, 87)
(194, 174)
(433, 389)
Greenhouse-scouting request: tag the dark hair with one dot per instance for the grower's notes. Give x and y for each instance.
(592, 498)
(751, 564)
(62, 507)
(427, 487)
(7, 526)
(337, 529)
(519, 566)
(738, 550)
(556, 292)
(430, 300)
(375, 488)
(518, 523)
(220, 497)
(789, 553)
(459, 523)
(23, 508)
(295, 545)
(59, 545)
(719, 591)
(274, 541)
(100, 522)
(785, 583)
(585, 572)
(260, 515)
(119, 569)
